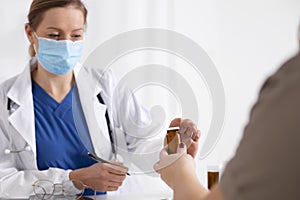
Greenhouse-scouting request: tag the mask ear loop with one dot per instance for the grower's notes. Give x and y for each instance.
(34, 46)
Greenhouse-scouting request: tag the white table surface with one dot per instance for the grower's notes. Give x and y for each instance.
(137, 187)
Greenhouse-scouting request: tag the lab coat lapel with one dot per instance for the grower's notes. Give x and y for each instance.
(22, 118)
(94, 111)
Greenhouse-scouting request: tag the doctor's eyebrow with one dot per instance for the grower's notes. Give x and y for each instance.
(58, 29)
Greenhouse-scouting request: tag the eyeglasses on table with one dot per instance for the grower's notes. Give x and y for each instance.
(68, 190)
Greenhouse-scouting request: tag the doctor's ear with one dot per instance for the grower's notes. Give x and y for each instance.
(29, 33)
(31, 37)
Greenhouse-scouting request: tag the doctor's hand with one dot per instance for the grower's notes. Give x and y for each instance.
(101, 176)
(174, 167)
(189, 134)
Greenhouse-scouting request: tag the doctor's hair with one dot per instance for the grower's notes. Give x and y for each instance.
(39, 7)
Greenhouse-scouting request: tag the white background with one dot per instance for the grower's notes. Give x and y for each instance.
(247, 41)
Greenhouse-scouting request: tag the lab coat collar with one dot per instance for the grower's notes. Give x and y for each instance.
(22, 119)
(86, 82)
(94, 111)
(22, 83)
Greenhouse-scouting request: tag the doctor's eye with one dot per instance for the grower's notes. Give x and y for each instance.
(53, 36)
(76, 36)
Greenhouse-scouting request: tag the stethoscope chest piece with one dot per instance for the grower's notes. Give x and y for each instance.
(10, 151)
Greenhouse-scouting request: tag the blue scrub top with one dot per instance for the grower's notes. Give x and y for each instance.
(57, 141)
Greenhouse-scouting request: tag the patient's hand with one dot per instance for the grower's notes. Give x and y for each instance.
(174, 167)
(189, 134)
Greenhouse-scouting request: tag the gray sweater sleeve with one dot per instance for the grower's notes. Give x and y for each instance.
(267, 160)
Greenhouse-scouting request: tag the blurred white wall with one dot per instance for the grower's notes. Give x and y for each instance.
(247, 41)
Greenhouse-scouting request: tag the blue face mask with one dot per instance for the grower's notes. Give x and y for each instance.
(59, 56)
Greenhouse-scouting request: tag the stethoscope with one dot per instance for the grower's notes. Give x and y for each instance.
(28, 148)
(10, 151)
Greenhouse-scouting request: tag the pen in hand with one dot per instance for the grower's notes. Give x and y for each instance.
(96, 158)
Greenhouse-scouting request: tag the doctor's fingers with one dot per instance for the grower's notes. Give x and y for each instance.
(188, 130)
(117, 169)
(109, 176)
(118, 166)
(109, 182)
(196, 136)
(187, 125)
(191, 140)
(106, 173)
(105, 185)
(112, 188)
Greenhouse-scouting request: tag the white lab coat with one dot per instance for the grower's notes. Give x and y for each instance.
(18, 171)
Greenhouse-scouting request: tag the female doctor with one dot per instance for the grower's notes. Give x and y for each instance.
(38, 136)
